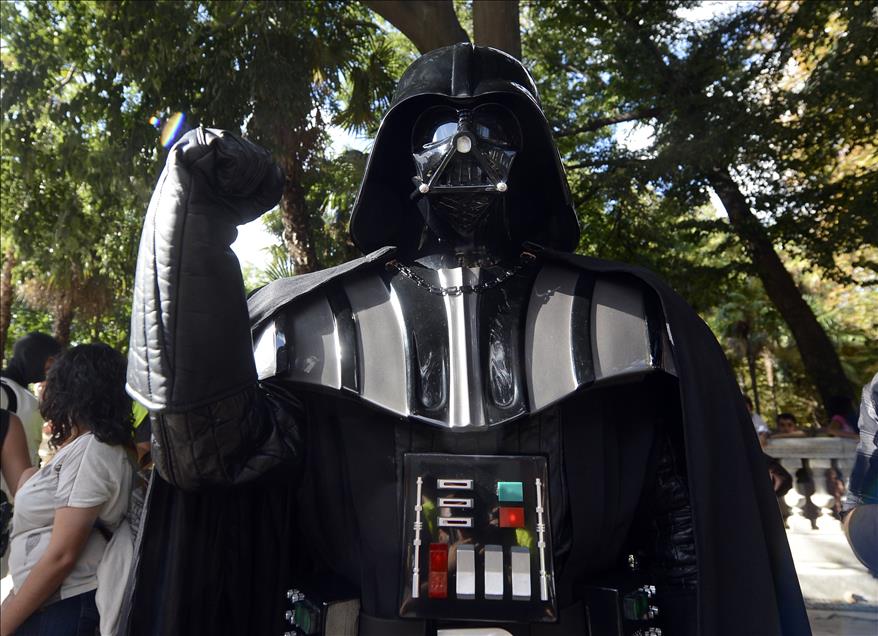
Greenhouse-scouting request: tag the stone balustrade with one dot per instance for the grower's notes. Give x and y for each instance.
(820, 467)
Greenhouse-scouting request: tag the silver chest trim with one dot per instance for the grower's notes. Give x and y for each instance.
(465, 406)
(550, 367)
(381, 344)
(466, 361)
(620, 344)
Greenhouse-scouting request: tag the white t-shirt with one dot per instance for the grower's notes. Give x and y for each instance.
(83, 474)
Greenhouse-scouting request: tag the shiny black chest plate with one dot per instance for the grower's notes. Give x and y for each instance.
(466, 360)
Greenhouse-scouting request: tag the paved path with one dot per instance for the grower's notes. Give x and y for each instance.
(843, 622)
(841, 595)
(829, 573)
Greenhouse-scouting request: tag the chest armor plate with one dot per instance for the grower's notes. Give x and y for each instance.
(467, 360)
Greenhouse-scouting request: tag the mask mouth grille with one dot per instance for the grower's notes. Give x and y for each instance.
(465, 213)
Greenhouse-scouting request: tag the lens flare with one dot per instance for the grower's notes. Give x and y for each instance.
(155, 121)
(171, 129)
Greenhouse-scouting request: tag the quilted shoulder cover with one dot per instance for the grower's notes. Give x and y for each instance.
(190, 335)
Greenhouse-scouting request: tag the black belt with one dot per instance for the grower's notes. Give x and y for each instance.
(571, 623)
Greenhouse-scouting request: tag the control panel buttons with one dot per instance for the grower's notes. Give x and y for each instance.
(466, 572)
(519, 558)
(511, 517)
(454, 484)
(510, 491)
(437, 582)
(455, 522)
(455, 502)
(494, 572)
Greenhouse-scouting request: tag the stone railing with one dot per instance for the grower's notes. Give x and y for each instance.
(820, 467)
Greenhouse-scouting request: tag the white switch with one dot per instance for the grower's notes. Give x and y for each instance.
(455, 522)
(494, 572)
(455, 502)
(520, 561)
(466, 571)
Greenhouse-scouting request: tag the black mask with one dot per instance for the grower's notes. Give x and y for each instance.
(463, 158)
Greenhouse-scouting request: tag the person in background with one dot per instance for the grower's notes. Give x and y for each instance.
(787, 426)
(781, 479)
(842, 419)
(14, 462)
(14, 455)
(118, 560)
(64, 510)
(758, 423)
(860, 508)
(32, 356)
(842, 423)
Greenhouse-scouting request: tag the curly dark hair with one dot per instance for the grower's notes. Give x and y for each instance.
(85, 386)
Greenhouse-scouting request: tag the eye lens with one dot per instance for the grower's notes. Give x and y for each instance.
(444, 131)
(434, 125)
(485, 132)
(496, 123)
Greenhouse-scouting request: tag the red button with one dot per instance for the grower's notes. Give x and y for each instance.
(438, 585)
(511, 517)
(438, 557)
(437, 582)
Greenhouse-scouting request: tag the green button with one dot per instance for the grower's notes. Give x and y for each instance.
(510, 491)
(635, 606)
(303, 619)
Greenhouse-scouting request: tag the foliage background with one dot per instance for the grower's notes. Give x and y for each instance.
(781, 92)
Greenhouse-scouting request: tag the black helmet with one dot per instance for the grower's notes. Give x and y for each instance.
(538, 205)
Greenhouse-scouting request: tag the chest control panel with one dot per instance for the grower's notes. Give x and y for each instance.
(477, 538)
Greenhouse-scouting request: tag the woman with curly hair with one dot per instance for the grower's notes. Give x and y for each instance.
(63, 511)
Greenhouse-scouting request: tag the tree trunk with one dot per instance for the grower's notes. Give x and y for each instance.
(63, 323)
(297, 233)
(769, 375)
(819, 357)
(6, 299)
(429, 24)
(495, 23)
(751, 367)
(64, 307)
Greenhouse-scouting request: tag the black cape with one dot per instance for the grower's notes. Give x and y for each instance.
(213, 562)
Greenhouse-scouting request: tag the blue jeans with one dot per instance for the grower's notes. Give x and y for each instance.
(74, 616)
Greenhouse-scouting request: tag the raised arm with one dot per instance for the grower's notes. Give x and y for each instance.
(190, 359)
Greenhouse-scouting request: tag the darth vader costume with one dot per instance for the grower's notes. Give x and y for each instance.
(470, 428)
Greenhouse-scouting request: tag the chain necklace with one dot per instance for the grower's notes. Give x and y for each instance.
(525, 259)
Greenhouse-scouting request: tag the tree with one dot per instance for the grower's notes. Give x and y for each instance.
(6, 295)
(727, 114)
(68, 202)
(430, 24)
(768, 105)
(724, 115)
(748, 321)
(271, 69)
(83, 81)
